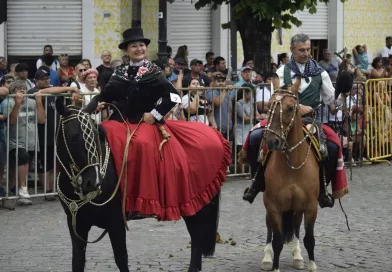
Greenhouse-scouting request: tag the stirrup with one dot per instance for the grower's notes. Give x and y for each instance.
(326, 200)
(323, 151)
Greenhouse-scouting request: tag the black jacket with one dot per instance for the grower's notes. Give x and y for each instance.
(151, 92)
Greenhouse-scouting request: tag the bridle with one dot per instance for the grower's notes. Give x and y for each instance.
(74, 172)
(286, 150)
(93, 147)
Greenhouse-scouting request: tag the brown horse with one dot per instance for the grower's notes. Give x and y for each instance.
(292, 180)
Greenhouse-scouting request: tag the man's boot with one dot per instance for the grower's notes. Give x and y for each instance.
(258, 185)
(325, 199)
(257, 172)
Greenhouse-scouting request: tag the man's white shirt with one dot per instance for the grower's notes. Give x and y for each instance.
(385, 52)
(327, 92)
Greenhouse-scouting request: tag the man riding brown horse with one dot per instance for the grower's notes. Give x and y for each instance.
(316, 88)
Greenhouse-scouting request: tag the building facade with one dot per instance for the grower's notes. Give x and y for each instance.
(84, 28)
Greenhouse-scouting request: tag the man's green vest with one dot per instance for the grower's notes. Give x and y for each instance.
(311, 95)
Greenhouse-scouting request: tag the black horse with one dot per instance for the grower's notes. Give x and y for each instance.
(86, 168)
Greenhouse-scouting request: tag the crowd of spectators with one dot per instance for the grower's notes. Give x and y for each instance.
(231, 104)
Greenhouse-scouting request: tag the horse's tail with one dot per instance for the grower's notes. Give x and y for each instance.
(288, 226)
(211, 226)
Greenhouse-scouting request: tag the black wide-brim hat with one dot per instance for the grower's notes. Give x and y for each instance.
(133, 35)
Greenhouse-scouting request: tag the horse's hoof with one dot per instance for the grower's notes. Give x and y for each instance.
(266, 265)
(312, 266)
(298, 264)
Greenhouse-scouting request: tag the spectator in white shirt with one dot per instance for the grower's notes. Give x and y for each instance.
(196, 107)
(89, 91)
(79, 69)
(48, 49)
(387, 50)
(263, 95)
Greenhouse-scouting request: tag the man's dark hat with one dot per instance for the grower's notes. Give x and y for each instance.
(42, 73)
(195, 61)
(21, 67)
(133, 35)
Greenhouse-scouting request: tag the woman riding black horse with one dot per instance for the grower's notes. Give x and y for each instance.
(167, 170)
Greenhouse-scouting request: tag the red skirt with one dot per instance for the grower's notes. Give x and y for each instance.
(190, 173)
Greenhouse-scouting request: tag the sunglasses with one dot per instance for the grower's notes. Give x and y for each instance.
(63, 55)
(82, 70)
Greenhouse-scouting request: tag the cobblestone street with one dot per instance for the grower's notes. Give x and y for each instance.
(36, 238)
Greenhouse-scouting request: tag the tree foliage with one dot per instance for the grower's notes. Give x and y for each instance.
(256, 20)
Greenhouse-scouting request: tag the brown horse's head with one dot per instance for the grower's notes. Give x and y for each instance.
(284, 107)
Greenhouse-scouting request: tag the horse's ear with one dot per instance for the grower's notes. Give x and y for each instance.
(276, 82)
(294, 89)
(61, 107)
(92, 106)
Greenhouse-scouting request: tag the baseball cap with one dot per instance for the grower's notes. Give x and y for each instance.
(41, 73)
(245, 68)
(196, 61)
(180, 61)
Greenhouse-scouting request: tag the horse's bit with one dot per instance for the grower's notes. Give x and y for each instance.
(74, 172)
(279, 96)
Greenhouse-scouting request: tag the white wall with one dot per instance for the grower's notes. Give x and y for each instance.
(88, 32)
(3, 44)
(221, 37)
(335, 25)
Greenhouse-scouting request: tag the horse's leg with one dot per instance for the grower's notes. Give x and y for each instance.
(275, 220)
(117, 233)
(298, 260)
(195, 229)
(309, 241)
(202, 228)
(118, 238)
(266, 264)
(78, 246)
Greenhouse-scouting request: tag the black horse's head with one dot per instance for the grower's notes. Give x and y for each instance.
(79, 148)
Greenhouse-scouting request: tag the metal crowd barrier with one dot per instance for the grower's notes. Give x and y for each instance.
(234, 116)
(11, 180)
(378, 117)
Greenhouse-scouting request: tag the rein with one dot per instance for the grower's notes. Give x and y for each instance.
(279, 96)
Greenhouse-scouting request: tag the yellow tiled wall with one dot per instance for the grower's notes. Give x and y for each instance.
(367, 22)
(126, 14)
(285, 47)
(108, 31)
(150, 11)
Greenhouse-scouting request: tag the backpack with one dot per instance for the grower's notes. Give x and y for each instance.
(73, 81)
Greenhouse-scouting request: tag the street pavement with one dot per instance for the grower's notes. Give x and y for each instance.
(36, 238)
